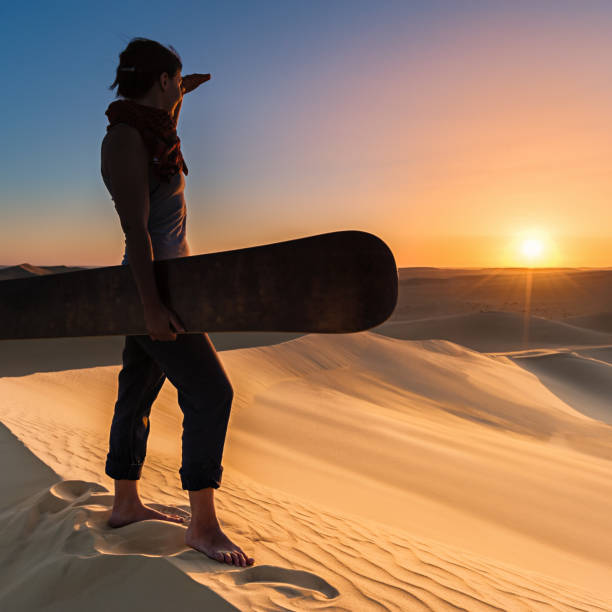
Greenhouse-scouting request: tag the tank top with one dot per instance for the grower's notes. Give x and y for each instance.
(167, 222)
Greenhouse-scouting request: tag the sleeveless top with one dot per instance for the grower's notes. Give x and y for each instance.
(167, 222)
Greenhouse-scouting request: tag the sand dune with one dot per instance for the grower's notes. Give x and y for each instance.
(553, 293)
(361, 471)
(601, 322)
(21, 357)
(65, 558)
(494, 331)
(582, 379)
(25, 269)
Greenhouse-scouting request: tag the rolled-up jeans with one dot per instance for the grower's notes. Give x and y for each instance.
(205, 397)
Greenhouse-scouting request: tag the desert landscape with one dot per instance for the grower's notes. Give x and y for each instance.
(450, 450)
(458, 456)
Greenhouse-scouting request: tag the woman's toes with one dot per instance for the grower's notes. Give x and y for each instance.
(248, 560)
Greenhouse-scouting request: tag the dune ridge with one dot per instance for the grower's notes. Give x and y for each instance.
(490, 331)
(601, 321)
(581, 377)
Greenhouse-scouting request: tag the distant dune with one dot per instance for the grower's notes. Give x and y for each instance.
(601, 322)
(553, 293)
(24, 270)
(494, 331)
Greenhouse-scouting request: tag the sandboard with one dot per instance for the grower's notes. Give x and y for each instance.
(338, 282)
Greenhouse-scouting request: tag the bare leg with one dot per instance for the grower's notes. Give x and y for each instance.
(127, 507)
(204, 532)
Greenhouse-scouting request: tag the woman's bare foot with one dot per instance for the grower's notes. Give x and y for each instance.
(131, 514)
(216, 545)
(127, 507)
(204, 532)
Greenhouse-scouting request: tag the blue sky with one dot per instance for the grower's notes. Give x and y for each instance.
(319, 116)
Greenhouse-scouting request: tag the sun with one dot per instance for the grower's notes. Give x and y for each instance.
(532, 248)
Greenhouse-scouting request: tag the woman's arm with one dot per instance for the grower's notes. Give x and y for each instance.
(126, 160)
(190, 82)
(177, 112)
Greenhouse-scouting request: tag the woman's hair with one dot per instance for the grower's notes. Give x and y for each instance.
(149, 59)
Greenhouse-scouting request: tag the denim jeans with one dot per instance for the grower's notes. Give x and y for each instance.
(205, 397)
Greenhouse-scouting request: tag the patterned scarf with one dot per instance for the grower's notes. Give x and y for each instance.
(158, 132)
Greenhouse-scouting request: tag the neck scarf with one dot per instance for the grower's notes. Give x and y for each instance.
(158, 132)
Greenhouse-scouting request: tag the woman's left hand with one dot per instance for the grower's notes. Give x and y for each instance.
(191, 81)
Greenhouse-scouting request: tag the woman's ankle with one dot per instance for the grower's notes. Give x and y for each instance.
(199, 526)
(127, 503)
(126, 495)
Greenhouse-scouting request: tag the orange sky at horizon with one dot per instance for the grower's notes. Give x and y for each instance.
(414, 252)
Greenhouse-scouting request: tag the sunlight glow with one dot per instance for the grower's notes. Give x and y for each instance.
(532, 248)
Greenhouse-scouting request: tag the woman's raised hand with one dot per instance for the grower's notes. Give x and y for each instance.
(191, 81)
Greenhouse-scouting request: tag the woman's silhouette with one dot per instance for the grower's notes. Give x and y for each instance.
(143, 169)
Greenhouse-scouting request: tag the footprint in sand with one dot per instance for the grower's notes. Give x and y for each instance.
(286, 581)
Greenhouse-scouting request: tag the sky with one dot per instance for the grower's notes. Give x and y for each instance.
(454, 131)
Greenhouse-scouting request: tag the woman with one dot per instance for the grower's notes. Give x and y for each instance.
(143, 169)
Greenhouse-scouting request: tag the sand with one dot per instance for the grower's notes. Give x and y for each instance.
(432, 463)
(361, 472)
